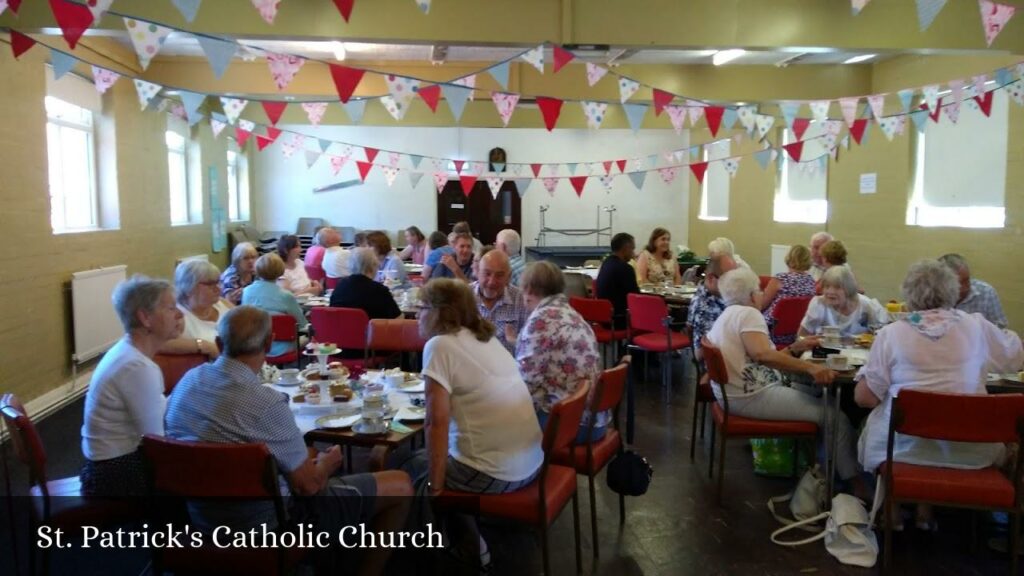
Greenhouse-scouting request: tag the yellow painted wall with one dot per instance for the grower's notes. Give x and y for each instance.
(872, 227)
(36, 340)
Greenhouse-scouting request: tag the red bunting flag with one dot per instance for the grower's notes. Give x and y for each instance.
(273, 133)
(467, 184)
(536, 169)
(985, 102)
(857, 129)
(458, 165)
(622, 166)
(14, 5)
(345, 80)
(577, 184)
(242, 136)
(262, 142)
(794, 150)
(364, 169)
(20, 43)
(274, 110)
(550, 108)
(934, 114)
(661, 99)
(371, 153)
(800, 126)
(73, 19)
(607, 167)
(698, 170)
(562, 57)
(345, 7)
(713, 115)
(430, 95)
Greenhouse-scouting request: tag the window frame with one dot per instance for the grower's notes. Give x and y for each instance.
(705, 183)
(239, 193)
(785, 210)
(60, 124)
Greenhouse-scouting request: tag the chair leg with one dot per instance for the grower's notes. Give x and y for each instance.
(721, 469)
(646, 365)
(693, 429)
(887, 551)
(703, 418)
(593, 515)
(711, 453)
(544, 548)
(576, 530)
(1014, 541)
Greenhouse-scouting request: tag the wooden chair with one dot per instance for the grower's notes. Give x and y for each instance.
(285, 329)
(174, 366)
(590, 459)
(957, 418)
(734, 426)
(394, 337)
(788, 314)
(539, 503)
(651, 330)
(598, 312)
(187, 471)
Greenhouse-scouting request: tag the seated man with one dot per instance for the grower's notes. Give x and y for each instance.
(617, 278)
(225, 402)
(459, 264)
(707, 304)
(335, 262)
(497, 301)
(975, 295)
(818, 265)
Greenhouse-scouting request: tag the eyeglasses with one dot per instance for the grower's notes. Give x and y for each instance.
(211, 283)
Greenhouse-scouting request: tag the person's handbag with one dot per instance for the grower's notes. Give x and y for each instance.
(629, 474)
(806, 501)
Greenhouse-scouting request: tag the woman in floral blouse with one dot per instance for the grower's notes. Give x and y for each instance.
(557, 350)
(240, 274)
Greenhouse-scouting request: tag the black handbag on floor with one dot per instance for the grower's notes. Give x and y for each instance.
(629, 474)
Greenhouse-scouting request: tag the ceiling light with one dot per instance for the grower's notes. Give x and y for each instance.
(859, 58)
(726, 56)
(339, 50)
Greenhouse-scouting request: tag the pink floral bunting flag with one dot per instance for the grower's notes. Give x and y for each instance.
(232, 107)
(694, 110)
(550, 184)
(994, 17)
(668, 174)
(877, 103)
(595, 73)
(440, 180)
(506, 105)
(315, 111)
(217, 126)
(337, 162)
(284, 67)
(849, 108)
(103, 78)
(468, 82)
(677, 116)
(393, 159)
(289, 146)
(267, 9)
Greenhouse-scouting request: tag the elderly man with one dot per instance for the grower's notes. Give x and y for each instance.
(335, 258)
(617, 278)
(509, 242)
(818, 264)
(458, 264)
(225, 402)
(707, 304)
(975, 295)
(497, 301)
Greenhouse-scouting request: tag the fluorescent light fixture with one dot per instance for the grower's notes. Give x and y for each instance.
(859, 58)
(339, 50)
(726, 56)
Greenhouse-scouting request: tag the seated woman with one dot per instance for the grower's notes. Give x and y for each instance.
(439, 246)
(197, 284)
(359, 290)
(794, 283)
(557, 350)
(295, 279)
(415, 250)
(265, 294)
(392, 270)
(325, 238)
(935, 348)
(126, 395)
(240, 273)
(755, 385)
(656, 264)
(842, 306)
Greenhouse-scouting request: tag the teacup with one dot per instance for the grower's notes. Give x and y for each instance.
(288, 375)
(830, 332)
(395, 380)
(837, 362)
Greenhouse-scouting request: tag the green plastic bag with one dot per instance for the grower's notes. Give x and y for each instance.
(774, 456)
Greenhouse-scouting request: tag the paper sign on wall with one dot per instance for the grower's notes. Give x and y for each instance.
(869, 183)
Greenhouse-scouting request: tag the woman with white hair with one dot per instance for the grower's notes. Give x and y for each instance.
(935, 348)
(325, 238)
(240, 273)
(126, 395)
(722, 246)
(197, 284)
(755, 385)
(359, 290)
(841, 305)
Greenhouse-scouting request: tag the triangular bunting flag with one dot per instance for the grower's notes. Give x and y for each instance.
(535, 58)
(794, 150)
(20, 43)
(635, 115)
(506, 105)
(188, 8)
(311, 157)
(627, 88)
(877, 104)
(344, 7)
(466, 82)
(192, 102)
(371, 153)
(729, 118)
(668, 174)
(819, 110)
(891, 125)
(390, 173)
(414, 178)
(217, 126)
(1003, 77)
(274, 110)
(698, 170)
(393, 159)
(985, 103)
(13, 4)
(858, 5)
(494, 183)
(934, 114)
(562, 57)
(467, 182)
(283, 68)
(62, 63)
(694, 110)
(920, 118)
(456, 97)
(440, 181)
(747, 116)
(98, 8)
(272, 133)
(289, 146)
(799, 127)
(345, 80)
(73, 19)
(763, 157)
(849, 108)
(522, 184)
(424, 6)
(232, 107)
(713, 115)
(218, 53)
(1016, 92)
(430, 94)
(994, 17)
(267, 9)
(500, 73)
(857, 129)
(550, 184)
(622, 166)
(325, 145)
(661, 99)
(314, 111)
(147, 38)
(927, 10)
(337, 162)
(677, 116)
(764, 125)
(732, 165)
(458, 165)
(638, 179)
(931, 96)
(551, 109)
(401, 89)
(415, 159)
(595, 73)
(789, 109)
(364, 169)
(394, 107)
(355, 110)
(536, 169)
(578, 182)
(595, 112)
(906, 96)
(146, 90)
(242, 136)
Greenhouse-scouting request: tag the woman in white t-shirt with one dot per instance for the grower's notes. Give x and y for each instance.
(842, 306)
(197, 284)
(295, 278)
(755, 385)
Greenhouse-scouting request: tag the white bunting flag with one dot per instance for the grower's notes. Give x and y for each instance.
(390, 173)
(877, 104)
(535, 58)
(217, 126)
(494, 183)
(732, 165)
(931, 96)
(746, 115)
(232, 107)
(694, 110)
(764, 125)
(146, 90)
(147, 38)
(819, 110)
(627, 88)
(595, 112)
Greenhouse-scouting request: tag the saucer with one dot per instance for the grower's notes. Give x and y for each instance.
(282, 381)
(361, 429)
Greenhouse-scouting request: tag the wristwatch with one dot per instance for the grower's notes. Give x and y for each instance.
(199, 344)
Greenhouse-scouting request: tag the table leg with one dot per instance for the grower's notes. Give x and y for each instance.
(827, 440)
(835, 439)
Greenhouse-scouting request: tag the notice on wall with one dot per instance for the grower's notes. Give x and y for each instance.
(869, 183)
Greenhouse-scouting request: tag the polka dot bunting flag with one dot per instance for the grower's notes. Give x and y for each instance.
(147, 38)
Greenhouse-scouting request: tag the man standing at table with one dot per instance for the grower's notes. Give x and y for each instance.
(707, 304)
(225, 402)
(459, 264)
(975, 295)
(617, 278)
(498, 302)
(509, 242)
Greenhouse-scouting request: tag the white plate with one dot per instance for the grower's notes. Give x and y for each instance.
(1013, 377)
(338, 421)
(413, 387)
(410, 414)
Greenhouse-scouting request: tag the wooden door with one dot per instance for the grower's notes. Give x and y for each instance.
(486, 215)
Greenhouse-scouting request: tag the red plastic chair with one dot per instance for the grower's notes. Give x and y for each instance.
(393, 337)
(651, 331)
(598, 312)
(702, 396)
(958, 418)
(56, 503)
(315, 273)
(330, 283)
(539, 503)
(788, 313)
(207, 470)
(347, 329)
(764, 281)
(174, 366)
(285, 329)
(590, 459)
(733, 426)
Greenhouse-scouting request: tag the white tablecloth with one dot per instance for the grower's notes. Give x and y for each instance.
(307, 414)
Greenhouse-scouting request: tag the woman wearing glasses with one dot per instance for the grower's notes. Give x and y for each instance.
(198, 290)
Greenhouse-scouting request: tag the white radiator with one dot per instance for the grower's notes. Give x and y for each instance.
(96, 325)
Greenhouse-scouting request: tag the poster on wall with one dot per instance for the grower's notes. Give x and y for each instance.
(217, 216)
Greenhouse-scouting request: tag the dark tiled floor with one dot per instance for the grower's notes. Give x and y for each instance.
(674, 529)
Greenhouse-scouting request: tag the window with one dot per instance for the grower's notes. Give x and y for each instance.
(184, 178)
(714, 195)
(960, 169)
(238, 184)
(801, 195)
(70, 144)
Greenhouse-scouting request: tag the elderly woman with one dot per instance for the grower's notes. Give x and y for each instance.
(557, 350)
(126, 395)
(240, 273)
(935, 348)
(264, 293)
(722, 246)
(359, 290)
(841, 305)
(795, 282)
(392, 269)
(656, 265)
(197, 284)
(415, 246)
(755, 385)
(295, 279)
(324, 239)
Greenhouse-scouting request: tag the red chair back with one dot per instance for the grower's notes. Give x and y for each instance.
(715, 363)
(344, 327)
(315, 272)
(593, 310)
(647, 313)
(389, 335)
(564, 421)
(958, 417)
(284, 327)
(211, 469)
(788, 313)
(28, 446)
(610, 388)
(174, 366)
(331, 283)
(764, 281)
